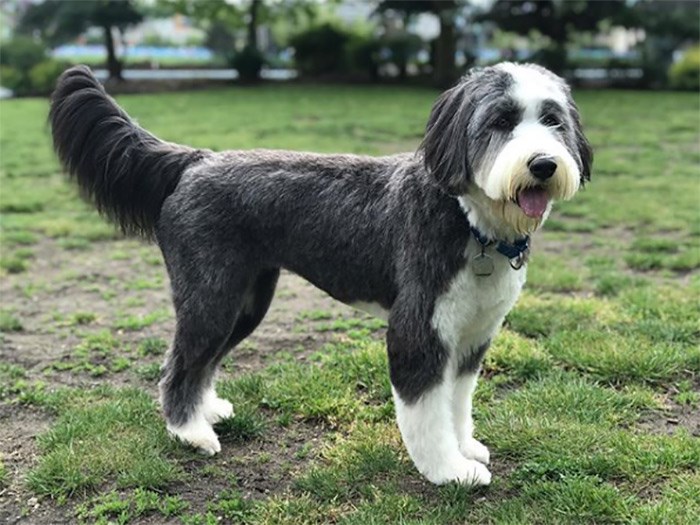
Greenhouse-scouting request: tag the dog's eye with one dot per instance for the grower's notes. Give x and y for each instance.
(502, 123)
(550, 121)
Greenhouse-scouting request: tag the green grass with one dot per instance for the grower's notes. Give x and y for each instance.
(9, 323)
(3, 473)
(96, 355)
(137, 322)
(601, 349)
(123, 507)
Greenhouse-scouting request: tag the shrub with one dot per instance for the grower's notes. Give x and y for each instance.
(11, 78)
(364, 55)
(22, 53)
(403, 47)
(685, 74)
(320, 49)
(43, 76)
(248, 63)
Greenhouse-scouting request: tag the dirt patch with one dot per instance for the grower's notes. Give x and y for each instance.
(19, 426)
(61, 283)
(671, 420)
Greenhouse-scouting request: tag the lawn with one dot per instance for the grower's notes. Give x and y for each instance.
(589, 400)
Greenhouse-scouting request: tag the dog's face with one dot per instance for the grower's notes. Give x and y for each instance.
(509, 135)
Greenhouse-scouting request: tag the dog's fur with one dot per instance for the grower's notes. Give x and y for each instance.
(388, 234)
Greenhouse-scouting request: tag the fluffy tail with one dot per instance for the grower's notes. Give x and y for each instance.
(124, 170)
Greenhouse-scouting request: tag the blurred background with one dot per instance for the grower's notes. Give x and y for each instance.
(144, 45)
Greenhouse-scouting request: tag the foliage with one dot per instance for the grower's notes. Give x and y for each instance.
(444, 47)
(26, 69)
(363, 54)
(320, 49)
(22, 53)
(248, 62)
(668, 24)
(403, 46)
(220, 39)
(222, 19)
(43, 76)
(11, 78)
(554, 19)
(61, 20)
(685, 74)
(676, 19)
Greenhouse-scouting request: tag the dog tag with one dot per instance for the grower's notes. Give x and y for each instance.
(482, 265)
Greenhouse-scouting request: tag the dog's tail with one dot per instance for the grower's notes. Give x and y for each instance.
(124, 170)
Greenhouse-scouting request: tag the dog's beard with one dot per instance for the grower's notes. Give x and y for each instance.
(507, 177)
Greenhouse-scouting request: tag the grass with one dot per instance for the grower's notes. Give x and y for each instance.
(9, 323)
(102, 434)
(601, 351)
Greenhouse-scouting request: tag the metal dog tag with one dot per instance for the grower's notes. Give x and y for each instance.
(482, 265)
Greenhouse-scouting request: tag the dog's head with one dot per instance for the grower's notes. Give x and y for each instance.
(510, 137)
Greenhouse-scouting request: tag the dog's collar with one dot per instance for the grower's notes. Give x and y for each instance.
(516, 252)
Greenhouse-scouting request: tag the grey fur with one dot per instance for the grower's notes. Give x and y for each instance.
(471, 361)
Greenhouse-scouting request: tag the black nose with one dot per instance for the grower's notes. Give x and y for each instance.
(542, 168)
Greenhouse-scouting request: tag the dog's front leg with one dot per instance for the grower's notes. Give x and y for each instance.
(464, 387)
(423, 381)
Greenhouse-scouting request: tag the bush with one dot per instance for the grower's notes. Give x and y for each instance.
(248, 63)
(43, 76)
(403, 47)
(685, 74)
(22, 53)
(364, 55)
(11, 78)
(320, 50)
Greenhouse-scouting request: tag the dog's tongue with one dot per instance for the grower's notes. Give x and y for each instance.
(533, 202)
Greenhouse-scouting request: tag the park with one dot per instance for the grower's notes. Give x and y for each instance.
(589, 397)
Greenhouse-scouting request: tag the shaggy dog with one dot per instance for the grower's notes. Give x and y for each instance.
(434, 242)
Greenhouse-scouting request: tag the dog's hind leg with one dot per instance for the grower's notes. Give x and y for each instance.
(255, 305)
(213, 315)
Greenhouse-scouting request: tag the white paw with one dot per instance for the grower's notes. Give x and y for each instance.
(465, 471)
(198, 433)
(216, 409)
(473, 449)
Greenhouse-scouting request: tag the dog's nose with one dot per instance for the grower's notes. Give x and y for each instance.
(542, 167)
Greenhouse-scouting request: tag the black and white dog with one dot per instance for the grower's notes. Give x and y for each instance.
(434, 242)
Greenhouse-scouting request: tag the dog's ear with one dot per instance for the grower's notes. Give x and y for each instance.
(444, 146)
(584, 150)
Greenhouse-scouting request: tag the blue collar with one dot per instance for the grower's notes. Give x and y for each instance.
(517, 250)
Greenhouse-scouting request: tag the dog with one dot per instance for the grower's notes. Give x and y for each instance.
(435, 242)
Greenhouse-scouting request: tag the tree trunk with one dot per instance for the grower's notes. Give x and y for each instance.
(445, 72)
(253, 25)
(114, 66)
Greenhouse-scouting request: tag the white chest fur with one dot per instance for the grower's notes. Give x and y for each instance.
(472, 310)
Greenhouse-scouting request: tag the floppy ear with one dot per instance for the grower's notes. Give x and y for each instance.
(444, 146)
(585, 152)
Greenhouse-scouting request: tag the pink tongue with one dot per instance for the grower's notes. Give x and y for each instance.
(533, 202)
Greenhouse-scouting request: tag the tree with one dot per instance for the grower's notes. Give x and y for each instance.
(668, 24)
(59, 21)
(445, 71)
(222, 17)
(555, 19)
